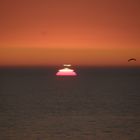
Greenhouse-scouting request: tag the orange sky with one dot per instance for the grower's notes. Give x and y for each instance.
(81, 32)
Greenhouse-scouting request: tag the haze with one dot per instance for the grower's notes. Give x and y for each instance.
(79, 32)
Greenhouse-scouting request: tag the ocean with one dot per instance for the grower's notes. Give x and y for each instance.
(97, 104)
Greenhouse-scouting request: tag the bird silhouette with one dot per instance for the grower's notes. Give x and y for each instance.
(132, 59)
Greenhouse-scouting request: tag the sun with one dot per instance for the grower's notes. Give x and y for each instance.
(66, 71)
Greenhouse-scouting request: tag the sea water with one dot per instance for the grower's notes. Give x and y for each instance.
(97, 104)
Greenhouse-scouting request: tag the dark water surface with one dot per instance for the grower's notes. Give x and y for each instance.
(98, 104)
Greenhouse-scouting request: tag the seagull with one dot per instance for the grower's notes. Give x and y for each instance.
(132, 59)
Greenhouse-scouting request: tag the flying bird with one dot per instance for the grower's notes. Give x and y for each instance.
(132, 59)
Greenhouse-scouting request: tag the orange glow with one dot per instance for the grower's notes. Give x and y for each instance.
(86, 57)
(80, 32)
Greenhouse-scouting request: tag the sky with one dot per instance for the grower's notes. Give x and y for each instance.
(80, 32)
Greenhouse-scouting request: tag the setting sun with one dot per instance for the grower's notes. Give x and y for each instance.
(66, 72)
